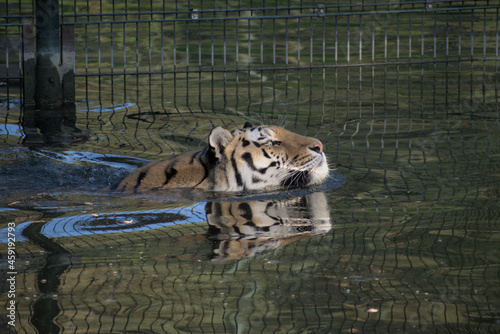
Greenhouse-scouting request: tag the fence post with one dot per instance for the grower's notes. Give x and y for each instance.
(51, 72)
(29, 66)
(68, 63)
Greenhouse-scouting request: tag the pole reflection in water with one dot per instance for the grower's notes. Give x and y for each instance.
(55, 126)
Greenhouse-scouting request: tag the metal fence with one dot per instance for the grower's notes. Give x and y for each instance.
(224, 55)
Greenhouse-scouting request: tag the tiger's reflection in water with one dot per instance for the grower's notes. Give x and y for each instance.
(244, 229)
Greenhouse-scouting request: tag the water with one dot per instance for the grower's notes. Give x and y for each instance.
(403, 237)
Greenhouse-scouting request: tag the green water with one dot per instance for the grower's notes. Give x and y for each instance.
(411, 243)
(402, 238)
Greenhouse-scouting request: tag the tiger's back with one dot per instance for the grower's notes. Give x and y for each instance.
(182, 171)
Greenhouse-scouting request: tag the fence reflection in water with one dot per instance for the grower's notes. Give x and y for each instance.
(236, 230)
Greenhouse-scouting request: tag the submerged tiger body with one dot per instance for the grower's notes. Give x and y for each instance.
(250, 158)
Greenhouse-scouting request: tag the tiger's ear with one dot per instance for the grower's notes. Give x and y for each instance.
(247, 125)
(218, 139)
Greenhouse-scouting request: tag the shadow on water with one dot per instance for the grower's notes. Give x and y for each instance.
(48, 159)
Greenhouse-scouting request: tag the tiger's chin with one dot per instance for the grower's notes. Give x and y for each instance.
(308, 177)
(319, 175)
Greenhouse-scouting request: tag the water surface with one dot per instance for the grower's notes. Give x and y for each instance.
(402, 238)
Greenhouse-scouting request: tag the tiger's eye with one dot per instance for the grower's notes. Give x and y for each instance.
(273, 143)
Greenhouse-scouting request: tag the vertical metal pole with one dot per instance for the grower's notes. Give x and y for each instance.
(48, 55)
(29, 66)
(68, 63)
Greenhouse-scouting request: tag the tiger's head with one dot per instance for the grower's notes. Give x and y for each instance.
(266, 157)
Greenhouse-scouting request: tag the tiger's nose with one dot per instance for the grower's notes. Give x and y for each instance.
(317, 147)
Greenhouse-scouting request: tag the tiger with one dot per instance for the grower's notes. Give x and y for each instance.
(250, 158)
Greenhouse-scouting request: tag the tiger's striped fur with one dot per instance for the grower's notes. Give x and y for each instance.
(250, 158)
